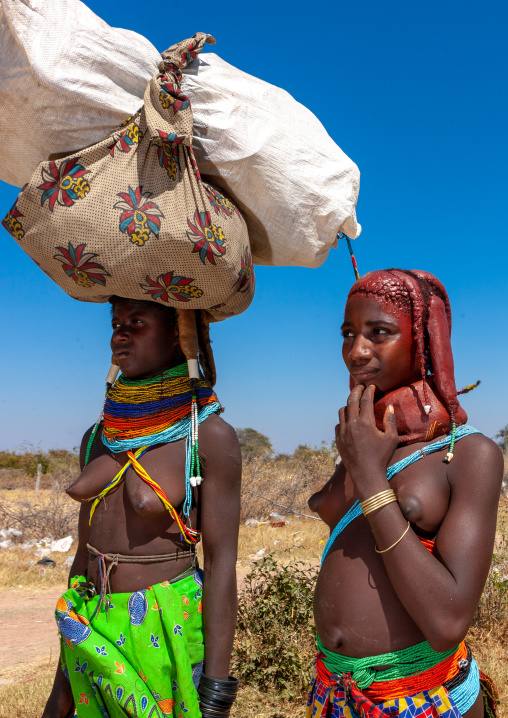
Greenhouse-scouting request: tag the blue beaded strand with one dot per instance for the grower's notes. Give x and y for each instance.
(465, 695)
(356, 510)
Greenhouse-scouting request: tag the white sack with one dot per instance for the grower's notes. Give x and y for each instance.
(295, 186)
(63, 545)
(66, 80)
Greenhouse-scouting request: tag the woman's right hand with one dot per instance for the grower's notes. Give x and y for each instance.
(365, 451)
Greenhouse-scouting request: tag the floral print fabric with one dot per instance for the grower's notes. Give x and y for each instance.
(141, 657)
(132, 216)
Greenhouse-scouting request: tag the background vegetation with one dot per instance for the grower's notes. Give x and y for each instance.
(279, 551)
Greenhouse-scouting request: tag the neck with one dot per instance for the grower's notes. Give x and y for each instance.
(174, 370)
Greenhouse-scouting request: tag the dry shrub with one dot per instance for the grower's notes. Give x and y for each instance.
(254, 703)
(40, 514)
(284, 480)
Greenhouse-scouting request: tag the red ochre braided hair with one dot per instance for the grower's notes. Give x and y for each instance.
(424, 298)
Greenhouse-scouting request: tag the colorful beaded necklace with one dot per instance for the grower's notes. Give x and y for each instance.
(140, 413)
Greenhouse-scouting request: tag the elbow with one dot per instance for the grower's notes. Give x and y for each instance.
(447, 634)
(223, 563)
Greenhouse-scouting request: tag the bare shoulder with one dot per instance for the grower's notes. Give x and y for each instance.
(214, 429)
(478, 461)
(218, 441)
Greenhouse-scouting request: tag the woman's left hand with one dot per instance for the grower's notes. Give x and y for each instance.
(365, 451)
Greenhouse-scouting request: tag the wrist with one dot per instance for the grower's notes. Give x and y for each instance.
(216, 696)
(369, 482)
(377, 501)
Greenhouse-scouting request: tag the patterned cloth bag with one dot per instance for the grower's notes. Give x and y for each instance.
(131, 215)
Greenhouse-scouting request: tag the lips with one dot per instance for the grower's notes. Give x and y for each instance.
(363, 374)
(121, 354)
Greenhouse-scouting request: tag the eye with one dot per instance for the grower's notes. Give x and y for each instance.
(346, 333)
(381, 332)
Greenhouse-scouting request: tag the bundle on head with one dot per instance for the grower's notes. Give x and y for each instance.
(424, 298)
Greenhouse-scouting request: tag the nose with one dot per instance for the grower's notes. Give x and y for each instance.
(120, 335)
(361, 351)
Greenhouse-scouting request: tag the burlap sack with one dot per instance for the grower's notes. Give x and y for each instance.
(131, 216)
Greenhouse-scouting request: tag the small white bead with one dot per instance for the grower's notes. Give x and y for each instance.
(199, 480)
(427, 409)
(194, 481)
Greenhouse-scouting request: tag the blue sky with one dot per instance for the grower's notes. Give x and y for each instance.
(415, 94)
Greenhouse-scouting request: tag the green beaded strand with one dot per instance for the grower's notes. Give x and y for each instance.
(449, 455)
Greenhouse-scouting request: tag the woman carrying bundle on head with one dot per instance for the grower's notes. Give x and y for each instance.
(412, 511)
(143, 631)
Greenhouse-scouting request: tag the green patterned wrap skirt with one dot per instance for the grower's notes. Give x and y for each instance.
(142, 656)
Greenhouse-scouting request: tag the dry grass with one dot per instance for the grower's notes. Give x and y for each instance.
(26, 697)
(16, 571)
(288, 482)
(300, 539)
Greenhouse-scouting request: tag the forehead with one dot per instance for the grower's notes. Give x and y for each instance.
(366, 308)
(126, 307)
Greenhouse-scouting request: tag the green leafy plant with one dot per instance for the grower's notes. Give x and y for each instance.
(275, 643)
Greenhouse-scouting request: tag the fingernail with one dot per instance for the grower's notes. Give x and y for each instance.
(391, 409)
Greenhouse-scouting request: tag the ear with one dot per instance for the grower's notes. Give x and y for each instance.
(441, 354)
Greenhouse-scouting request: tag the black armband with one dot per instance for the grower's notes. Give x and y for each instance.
(216, 697)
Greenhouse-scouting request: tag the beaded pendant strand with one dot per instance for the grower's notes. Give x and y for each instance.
(141, 413)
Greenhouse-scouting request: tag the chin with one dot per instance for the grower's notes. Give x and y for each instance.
(129, 372)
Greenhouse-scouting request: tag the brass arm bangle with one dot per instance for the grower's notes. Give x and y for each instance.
(377, 550)
(377, 501)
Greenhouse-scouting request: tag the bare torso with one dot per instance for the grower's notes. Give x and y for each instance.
(357, 611)
(356, 608)
(131, 519)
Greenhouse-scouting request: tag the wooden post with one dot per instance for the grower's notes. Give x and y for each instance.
(38, 482)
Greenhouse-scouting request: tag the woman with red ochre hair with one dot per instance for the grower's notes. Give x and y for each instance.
(412, 511)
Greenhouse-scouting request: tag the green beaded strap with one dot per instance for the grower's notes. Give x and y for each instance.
(91, 439)
(180, 370)
(403, 664)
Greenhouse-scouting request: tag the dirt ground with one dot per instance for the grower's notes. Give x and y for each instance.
(28, 634)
